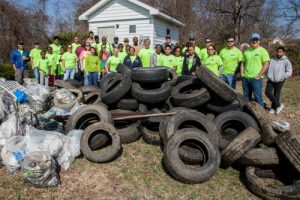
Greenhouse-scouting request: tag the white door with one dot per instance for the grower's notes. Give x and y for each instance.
(108, 32)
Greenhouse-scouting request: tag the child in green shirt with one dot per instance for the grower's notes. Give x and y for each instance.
(60, 70)
(52, 58)
(44, 69)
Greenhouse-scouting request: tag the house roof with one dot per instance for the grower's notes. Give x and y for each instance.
(153, 11)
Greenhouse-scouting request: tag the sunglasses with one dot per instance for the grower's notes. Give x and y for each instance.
(254, 40)
(207, 42)
(230, 41)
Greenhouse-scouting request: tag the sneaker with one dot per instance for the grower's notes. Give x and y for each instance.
(279, 109)
(272, 111)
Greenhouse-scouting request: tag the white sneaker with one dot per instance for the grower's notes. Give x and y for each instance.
(272, 111)
(279, 109)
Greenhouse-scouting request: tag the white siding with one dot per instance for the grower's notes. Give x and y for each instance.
(119, 10)
(160, 31)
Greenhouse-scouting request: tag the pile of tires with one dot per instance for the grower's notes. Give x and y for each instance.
(211, 126)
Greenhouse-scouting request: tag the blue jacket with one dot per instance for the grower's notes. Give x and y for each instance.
(135, 64)
(17, 59)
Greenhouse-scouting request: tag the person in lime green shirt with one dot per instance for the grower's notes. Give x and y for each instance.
(75, 44)
(69, 63)
(156, 58)
(146, 53)
(113, 61)
(255, 63)
(108, 46)
(52, 58)
(55, 46)
(179, 60)
(192, 41)
(122, 54)
(93, 67)
(213, 62)
(232, 58)
(35, 55)
(204, 52)
(44, 69)
(191, 62)
(60, 70)
(169, 60)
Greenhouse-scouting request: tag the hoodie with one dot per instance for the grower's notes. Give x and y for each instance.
(280, 69)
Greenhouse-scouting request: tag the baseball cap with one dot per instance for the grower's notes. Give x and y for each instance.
(168, 36)
(20, 43)
(116, 37)
(192, 38)
(36, 43)
(255, 36)
(96, 37)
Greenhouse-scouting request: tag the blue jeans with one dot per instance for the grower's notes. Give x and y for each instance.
(86, 78)
(93, 78)
(36, 74)
(69, 74)
(230, 79)
(251, 85)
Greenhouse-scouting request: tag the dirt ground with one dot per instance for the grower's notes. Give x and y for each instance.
(138, 173)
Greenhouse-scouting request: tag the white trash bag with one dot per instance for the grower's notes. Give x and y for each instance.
(13, 153)
(39, 169)
(8, 129)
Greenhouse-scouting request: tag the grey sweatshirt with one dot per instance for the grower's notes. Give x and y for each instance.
(279, 69)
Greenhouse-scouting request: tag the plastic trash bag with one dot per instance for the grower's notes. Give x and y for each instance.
(13, 153)
(21, 96)
(8, 129)
(40, 140)
(29, 82)
(39, 169)
(64, 96)
(2, 114)
(41, 91)
(6, 103)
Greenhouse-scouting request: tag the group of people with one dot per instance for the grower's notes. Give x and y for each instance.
(95, 59)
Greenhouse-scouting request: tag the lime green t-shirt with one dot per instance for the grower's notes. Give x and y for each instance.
(179, 64)
(70, 60)
(122, 55)
(55, 49)
(159, 59)
(213, 63)
(92, 63)
(145, 55)
(132, 58)
(197, 51)
(253, 61)
(190, 64)
(35, 54)
(203, 55)
(75, 46)
(109, 47)
(60, 69)
(43, 65)
(113, 62)
(169, 61)
(52, 58)
(231, 59)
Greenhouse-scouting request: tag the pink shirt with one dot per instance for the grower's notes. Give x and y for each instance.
(83, 54)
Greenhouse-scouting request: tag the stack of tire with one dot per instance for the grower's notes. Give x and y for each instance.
(211, 127)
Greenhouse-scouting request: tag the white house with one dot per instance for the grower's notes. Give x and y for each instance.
(129, 18)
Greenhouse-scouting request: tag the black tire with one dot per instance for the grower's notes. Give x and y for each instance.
(246, 140)
(215, 84)
(159, 94)
(172, 77)
(186, 173)
(116, 90)
(63, 84)
(74, 82)
(232, 123)
(268, 135)
(183, 78)
(108, 79)
(289, 145)
(218, 106)
(269, 191)
(128, 104)
(150, 133)
(190, 94)
(93, 98)
(192, 120)
(78, 94)
(54, 126)
(123, 69)
(100, 128)
(90, 88)
(259, 157)
(83, 117)
(150, 75)
(69, 106)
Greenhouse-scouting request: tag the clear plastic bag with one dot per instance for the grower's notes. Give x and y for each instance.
(8, 129)
(39, 169)
(64, 96)
(13, 153)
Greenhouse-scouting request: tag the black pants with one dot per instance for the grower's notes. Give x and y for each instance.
(273, 93)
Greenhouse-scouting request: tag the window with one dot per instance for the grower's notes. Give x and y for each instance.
(168, 32)
(132, 29)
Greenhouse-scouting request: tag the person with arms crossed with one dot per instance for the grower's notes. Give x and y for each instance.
(255, 63)
(191, 62)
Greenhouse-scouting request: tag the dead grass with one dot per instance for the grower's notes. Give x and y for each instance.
(138, 173)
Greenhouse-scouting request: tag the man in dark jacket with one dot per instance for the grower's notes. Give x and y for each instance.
(191, 62)
(132, 60)
(168, 43)
(19, 59)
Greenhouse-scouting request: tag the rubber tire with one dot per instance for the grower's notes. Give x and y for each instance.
(183, 172)
(150, 75)
(128, 104)
(63, 84)
(150, 137)
(114, 92)
(219, 107)
(123, 69)
(231, 118)
(183, 78)
(246, 140)
(74, 82)
(270, 192)
(103, 157)
(259, 157)
(172, 76)
(289, 145)
(80, 119)
(215, 84)
(78, 94)
(197, 97)
(151, 96)
(89, 88)
(93, 98)
(108, 79)
(268, 135)
(70, 105)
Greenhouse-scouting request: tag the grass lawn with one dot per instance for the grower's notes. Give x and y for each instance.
(138, 173)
